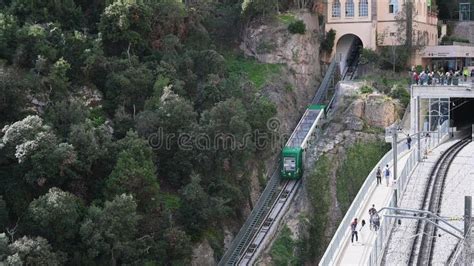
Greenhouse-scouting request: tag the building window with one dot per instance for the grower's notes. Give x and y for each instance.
(336, 9)
(363, 8)
(393, 7)
(464, 11)
(349, 8)
(392, 34)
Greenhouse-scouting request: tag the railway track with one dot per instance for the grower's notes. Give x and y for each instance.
(284, 197)
(423, 243)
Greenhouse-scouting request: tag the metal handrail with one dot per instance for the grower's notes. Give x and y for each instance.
(365, 190)
(257, 212)
(323, 88)
(381, 239)
(244, 235)
(342, 233)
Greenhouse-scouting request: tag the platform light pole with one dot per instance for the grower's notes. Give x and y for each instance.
(395, 152)
(467, 228)
(418, 131)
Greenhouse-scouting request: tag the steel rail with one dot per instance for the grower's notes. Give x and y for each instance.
(268, 198)
(266, 225)
(421, 251)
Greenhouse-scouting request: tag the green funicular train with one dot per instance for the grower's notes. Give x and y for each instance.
(292, 166)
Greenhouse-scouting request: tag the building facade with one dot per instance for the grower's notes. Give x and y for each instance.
(377, 23)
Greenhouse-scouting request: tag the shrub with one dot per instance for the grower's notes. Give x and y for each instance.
(419, 68)
(297, 27)
(366, 89)
(451, 39)
(401, 93)
(328, 43)
(369, 56)
(282, 249)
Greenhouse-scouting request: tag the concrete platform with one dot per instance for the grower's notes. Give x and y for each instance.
(400, 244)
(357, 253)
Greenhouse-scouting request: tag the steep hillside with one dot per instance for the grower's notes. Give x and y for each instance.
(349, 144)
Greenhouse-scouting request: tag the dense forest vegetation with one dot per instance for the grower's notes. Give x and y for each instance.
(80, 182)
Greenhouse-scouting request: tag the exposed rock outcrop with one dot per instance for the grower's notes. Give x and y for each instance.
(203, 254)
(346, 126)
(292, 91)
(273, 43)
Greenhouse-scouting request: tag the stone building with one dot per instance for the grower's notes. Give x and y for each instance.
(376, 23)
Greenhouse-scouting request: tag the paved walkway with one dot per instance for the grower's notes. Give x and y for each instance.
(358, 253)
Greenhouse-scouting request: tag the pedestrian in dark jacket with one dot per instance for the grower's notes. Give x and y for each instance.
(408, 141)
(378, 175)
(354, 231)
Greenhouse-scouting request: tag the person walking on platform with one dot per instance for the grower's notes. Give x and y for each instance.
(362, 232)
(386, 173)
(378, 175)
(409, 141)
(372, 212)
(354, 231)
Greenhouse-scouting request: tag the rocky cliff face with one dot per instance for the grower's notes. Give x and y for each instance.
(375, 109)
(293, 90)
(347, 124)
(273, 43)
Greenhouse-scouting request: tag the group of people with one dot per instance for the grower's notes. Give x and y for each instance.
(386, 174)
(357, 230)
(427, 77)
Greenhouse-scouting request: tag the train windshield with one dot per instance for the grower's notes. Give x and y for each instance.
(289, 164)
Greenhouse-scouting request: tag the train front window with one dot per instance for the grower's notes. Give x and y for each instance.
(289, 164)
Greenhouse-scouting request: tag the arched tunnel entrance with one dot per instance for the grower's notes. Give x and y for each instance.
(462, 113)
(348, 49)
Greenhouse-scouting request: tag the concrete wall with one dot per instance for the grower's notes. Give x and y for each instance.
(382, 25)
(464, 29)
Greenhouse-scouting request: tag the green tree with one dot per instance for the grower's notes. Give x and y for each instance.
(40, 11)
(37, 41)
(123, 122)
(129, 88)
(200, 211)
(63, 114)
(134, 173)
(58, 79)
(33, 251)
(124, 26)
(3, 214)
(110, 233)
(227, 127)
(48, 162)
(8, 29)
(178, 246)
(163, 126)
(14, 88)
(56, 216)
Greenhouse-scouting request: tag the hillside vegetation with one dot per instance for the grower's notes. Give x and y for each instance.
(93, 98)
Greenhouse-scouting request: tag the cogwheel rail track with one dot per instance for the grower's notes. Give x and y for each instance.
(423, 243)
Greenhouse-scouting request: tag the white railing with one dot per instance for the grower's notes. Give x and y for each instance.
(386, 224)
(342, 233)
(381, 239)
(364, 193)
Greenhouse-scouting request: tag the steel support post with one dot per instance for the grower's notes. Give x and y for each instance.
(395, 152)
(418, 131)
(467, 228)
